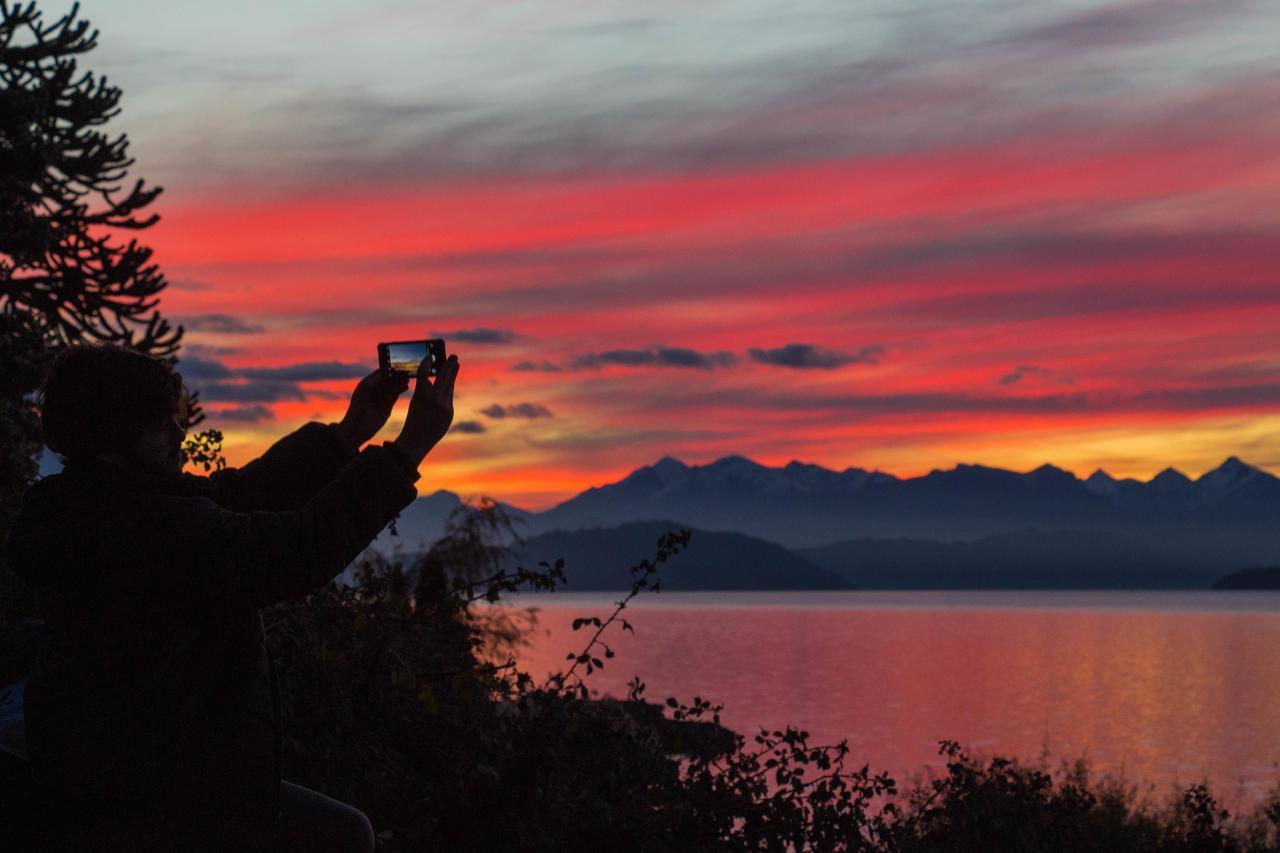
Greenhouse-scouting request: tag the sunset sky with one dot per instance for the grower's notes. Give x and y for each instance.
(895, 235)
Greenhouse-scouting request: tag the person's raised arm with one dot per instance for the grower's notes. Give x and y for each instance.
(264, 557)
(297, 466)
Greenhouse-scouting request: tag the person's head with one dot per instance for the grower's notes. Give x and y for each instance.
(106, 404)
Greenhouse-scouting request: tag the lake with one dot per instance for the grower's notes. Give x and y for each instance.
(1160, 687)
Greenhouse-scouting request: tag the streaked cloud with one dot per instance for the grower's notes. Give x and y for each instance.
(317, 371)
(250, 414)
(222, 324)
(824, 81)
(833, 407)
(1024, 371)
(250, 392)
(479, 335)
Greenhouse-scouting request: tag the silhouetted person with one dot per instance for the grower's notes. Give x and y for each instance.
(152, 713)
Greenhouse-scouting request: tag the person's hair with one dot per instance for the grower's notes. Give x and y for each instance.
(99, 397)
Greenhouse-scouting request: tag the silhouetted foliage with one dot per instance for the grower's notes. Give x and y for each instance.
(23, 360)
(205, 449)
(1001, 805)
(396, 702)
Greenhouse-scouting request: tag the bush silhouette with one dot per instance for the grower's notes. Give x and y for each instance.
(396, 702)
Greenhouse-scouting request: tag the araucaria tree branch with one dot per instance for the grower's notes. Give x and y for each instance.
(63, 202)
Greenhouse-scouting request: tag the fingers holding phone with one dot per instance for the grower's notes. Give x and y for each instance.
(370, 406)
(430, 409)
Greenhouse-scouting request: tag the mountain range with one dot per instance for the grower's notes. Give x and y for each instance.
(969, 526)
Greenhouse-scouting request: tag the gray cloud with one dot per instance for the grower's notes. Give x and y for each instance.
(1023, 371)
(478, 335)
(217, 382)
(193, 367)
(312, 371)
(527, 411)
(251, 413)
(682, 357)
(223, 324)
(470, 427)
(658, 356)
(813, 357)
(250, 392)
(535, 367)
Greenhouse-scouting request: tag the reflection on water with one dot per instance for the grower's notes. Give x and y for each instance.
(1162, 687)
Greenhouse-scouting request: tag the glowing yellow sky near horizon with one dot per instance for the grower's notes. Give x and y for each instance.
(1138, 452)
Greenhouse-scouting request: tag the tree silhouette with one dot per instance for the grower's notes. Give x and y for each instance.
(67, 272)
(61, 202)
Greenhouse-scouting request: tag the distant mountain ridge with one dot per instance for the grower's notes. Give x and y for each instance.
(876, 530)
(805, 505)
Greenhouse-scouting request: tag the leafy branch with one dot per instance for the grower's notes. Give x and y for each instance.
(669, 544)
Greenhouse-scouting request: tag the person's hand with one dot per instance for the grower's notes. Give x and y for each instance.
(430, 410)
(370, 406)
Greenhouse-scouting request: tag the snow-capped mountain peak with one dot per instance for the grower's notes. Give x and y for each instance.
(1227, 477)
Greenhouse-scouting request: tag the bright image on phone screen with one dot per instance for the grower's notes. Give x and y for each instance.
(405, 358)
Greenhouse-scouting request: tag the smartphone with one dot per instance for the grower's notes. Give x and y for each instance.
(401, 358)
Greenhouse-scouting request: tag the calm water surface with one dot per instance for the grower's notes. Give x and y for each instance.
(1162, 687)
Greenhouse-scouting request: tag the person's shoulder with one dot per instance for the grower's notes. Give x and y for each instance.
(165, 500)
(53, 493)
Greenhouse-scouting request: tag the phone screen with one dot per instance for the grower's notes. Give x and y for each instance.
(405, 356)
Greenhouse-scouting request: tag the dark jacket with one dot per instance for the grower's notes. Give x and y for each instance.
(155, 690)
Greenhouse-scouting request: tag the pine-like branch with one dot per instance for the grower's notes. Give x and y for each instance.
(61, 201)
